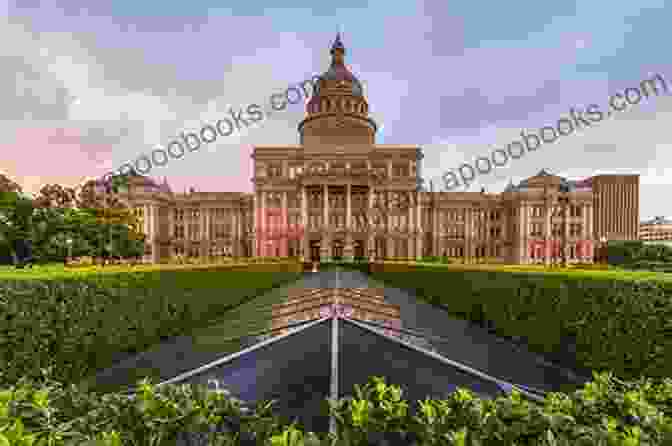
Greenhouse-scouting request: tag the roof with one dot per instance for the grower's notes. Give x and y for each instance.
(338, 72)
(566, 185)
(659, 220)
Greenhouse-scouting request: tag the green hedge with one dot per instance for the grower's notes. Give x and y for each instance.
(605, 412)
(651, 266)
(623, 326)
(78, 324)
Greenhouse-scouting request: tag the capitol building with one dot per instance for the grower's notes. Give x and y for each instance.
(339, 195)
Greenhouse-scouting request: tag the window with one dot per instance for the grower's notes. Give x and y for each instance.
(536, 229)
(537, 211)
(495, 232)
(575, 229)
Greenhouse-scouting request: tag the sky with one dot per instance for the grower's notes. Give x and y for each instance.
(87, 86)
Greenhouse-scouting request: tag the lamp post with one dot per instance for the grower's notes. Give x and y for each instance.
(69, 256)
(603, 249)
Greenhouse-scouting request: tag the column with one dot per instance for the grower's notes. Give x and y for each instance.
(468, 223)
(348, 249)
(324, 245)
(547, 234)
(153, 230)
(389, 169)
(435, 227)
(256, 225)
(566, 214)
(304, 224)
(418, 226)
(233, 229)
(348, 206)
(388, 221)
(585, 235)
(263, 239)
(145, 223)
(284, 247)
(411, 240)
(147, 226)
(590, 230)
(205, 242)
(370, 244)
(506, 234)
(522, 233)
(234, 233)
(171, 230)
(487, 226)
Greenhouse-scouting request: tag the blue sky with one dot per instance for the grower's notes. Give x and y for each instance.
(457, 78)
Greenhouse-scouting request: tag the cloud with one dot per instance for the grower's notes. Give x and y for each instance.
(86, 91)
(626, 144)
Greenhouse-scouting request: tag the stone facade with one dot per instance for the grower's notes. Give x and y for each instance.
(338, 194)
(658, 229)
(310, 304)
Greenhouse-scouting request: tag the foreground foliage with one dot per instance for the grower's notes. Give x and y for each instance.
(605, 412)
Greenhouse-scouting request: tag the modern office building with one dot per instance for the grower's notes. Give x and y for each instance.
(616, 204)
(338, 194)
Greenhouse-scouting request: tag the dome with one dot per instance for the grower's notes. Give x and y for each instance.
(337, 110)
(341, 73)
(338, 71)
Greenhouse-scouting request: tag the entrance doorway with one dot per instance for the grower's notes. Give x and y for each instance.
(337, 248)
(315, 250)
(381, 248)
(359, 249)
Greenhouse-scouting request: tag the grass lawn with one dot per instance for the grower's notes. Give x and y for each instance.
(59, 271)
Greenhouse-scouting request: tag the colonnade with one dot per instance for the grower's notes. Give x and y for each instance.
(328, 234)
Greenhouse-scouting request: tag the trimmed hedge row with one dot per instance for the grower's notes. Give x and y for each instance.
(624, 326)
(79, 324)
(605, 412)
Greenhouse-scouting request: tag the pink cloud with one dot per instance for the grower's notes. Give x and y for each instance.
(38, 156)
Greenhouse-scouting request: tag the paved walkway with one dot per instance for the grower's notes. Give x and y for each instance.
(464, 342)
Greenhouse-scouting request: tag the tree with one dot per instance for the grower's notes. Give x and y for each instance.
(7, 185)
(16, 211)
(102, 209)
(54, 195)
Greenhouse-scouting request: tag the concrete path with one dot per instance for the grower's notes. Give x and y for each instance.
(464, 342)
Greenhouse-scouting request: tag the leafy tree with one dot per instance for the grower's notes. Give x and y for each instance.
(7, 185)
(54, 195)
(16, 211)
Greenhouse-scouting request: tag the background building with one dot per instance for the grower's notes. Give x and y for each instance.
(338, 194)
(656, 230)
(616, 202)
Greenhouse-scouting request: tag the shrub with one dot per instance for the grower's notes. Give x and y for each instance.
(77, 323)
(549, 307)
(606, 411)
